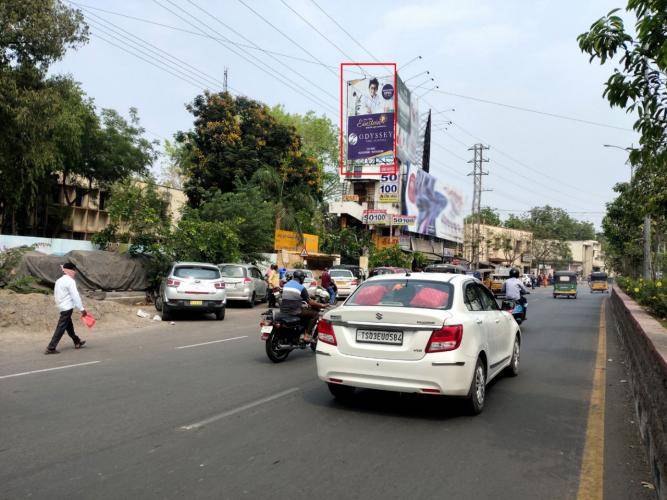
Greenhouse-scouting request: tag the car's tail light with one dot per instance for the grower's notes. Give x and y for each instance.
(247, 280)
(325, 332)
(312, 284)
(220, 285)
(172, 282)
(446, 338)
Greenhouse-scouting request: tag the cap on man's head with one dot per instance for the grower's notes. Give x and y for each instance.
(70, 266)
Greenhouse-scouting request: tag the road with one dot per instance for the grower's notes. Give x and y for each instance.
(196, 410)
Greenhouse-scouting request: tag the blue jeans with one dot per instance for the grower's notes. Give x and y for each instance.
(332, 295)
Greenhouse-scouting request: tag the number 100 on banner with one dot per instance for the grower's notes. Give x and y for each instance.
(376, 217)
(389, 188)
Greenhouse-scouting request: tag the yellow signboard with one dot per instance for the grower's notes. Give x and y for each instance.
(291, 241)
(385, 241)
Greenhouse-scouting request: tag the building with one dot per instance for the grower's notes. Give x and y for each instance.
(78, 209)
(587, 257)
(501, 246)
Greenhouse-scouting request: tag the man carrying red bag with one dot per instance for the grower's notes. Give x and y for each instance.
(67, 298)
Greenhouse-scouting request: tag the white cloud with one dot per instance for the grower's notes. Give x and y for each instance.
(415, 17)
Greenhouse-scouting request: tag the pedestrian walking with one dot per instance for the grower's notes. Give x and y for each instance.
(67, 298)
(328, 284)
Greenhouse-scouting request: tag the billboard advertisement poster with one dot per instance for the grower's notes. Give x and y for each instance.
(291, 241)
(437, 207)
(376, 217)
(368, 119)
(389, 188)
(408, 129)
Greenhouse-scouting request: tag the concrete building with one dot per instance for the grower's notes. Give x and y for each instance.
(587, 257)
(501, 246)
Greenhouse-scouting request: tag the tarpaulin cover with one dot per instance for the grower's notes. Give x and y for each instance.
(97, 270)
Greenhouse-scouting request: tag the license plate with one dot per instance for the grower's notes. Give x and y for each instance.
(380, 337)
(196, 302)
(267, 329)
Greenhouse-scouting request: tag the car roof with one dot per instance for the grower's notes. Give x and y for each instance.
(445, 277)
(236, 264)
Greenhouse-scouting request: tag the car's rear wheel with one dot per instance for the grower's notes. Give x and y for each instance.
(252, 300)
(341, 392)
(220, 315)
(166, 312)
(477, 394)
(158, 302)
(513, 368)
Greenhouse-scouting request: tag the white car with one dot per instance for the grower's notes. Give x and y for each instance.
(426, 333)
(527, 281)
(244, 283)
(345, 281)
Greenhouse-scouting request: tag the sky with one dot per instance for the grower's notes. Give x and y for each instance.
(514, 52)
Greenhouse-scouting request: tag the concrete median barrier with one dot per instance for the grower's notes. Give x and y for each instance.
(645, 343)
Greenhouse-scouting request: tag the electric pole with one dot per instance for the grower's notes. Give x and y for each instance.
(224, 81)
(477, 174)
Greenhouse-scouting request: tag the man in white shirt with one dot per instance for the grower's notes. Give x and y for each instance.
(373, 103)
(67, 298)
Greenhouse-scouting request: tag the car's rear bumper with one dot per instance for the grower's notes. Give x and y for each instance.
(186, 305)
(445, 373)
(345, 292)
(239, 294)
(565, 292)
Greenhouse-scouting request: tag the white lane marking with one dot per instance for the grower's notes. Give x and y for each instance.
(48, 369)
(229, 413)
(211, 342)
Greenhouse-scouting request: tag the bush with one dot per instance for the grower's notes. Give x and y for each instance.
(391, 257)
(648, 293)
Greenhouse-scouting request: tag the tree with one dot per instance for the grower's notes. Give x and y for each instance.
(174, 164)
(488, 216)
(233, 139)
(554, 252)
(348, 242)
(253, 216)
(552, 223)
(390, 256)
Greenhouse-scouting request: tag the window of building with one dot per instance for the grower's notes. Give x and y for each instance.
(78, 200)
(103, 200)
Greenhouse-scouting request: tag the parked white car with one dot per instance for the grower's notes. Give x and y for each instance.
(527, 281)
(192, 286)
(244, 282)
(345, 281)
(426, 333)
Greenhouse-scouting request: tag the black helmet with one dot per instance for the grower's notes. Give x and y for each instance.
(299, 275)
(514, 273)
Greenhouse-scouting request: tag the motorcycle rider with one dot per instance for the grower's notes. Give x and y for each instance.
(514, 289)
(294, 295)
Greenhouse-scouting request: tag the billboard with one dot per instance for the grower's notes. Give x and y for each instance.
(438, 207)
(370, 117)
(368, 120)
(408, 129)
(291, 241)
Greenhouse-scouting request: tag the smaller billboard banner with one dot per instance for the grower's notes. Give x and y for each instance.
(389, 188)
(351, 197)
(370, 136)
(403, 220)
(376, 217)
(291, 241)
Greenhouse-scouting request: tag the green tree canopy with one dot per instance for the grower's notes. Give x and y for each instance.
(233, 139)
(552, 223)
(488, 216)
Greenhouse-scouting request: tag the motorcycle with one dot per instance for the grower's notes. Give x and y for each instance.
(517, 310)
(282, 334)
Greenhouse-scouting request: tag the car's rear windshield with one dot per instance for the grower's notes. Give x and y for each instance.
(341, 273)
(198, 272)
(307, 272)
(403, 293)
(232, 271)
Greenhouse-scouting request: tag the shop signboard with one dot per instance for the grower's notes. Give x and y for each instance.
(389, 189)
(376, 217)
(291, 241)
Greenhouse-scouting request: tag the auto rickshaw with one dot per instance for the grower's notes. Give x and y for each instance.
(497, 282)
(565, 284)
(599, 282)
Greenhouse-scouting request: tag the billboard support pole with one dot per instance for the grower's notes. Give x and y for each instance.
(477, 174)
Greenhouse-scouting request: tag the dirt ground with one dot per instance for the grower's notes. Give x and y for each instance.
(24, 317)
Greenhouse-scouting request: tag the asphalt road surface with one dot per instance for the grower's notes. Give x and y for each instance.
(196, 410)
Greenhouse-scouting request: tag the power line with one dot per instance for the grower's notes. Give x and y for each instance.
(202, 35)
(535, 111)
(270, 71)
(155, 49)
(344, 30)
(285, 65)
(283, 33)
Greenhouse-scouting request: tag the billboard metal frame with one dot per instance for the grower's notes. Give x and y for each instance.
(384, 169)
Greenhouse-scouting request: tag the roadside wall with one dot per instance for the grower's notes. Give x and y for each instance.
(645, 342)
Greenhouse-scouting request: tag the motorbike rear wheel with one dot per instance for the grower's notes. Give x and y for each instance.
(274, 353)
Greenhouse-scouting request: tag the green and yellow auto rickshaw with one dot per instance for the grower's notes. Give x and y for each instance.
(599, 282)
(565, 284)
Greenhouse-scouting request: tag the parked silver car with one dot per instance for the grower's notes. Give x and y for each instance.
(310, 282)
(192, 286)
(244, 282)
